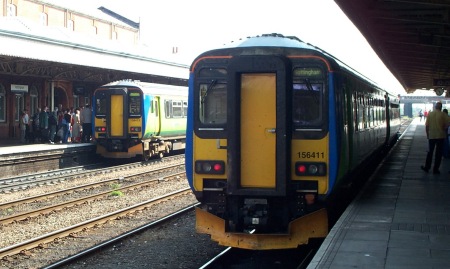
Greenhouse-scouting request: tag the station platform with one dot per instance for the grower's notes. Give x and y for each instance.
(13, 146)
(24, 159)
(401, 219)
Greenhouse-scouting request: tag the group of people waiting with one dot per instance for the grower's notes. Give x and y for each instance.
(59, 126)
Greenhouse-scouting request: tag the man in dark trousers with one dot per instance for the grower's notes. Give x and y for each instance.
(43, 124)
(435, 126)
(86, 121)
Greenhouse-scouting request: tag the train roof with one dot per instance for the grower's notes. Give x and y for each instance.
(151, 88)
(279, 41)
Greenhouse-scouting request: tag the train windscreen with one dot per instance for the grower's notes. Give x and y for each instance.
(135, 104)
(213, 103)
(308, 97)
(100, 104)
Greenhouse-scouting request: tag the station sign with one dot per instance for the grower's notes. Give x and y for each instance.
(441, 82)
(19, 88)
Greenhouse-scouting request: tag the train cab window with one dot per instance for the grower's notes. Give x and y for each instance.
(134, 107)
(307, 107)
(100, 105)
(213, 103)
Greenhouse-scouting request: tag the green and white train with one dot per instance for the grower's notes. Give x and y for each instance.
(132, 119)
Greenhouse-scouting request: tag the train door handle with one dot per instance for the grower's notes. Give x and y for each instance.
(272, 130)
(219, 146)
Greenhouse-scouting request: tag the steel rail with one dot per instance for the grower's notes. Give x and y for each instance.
(62, 177)
(39, 241)
(114, 240)
(53, 208)
(81, 187)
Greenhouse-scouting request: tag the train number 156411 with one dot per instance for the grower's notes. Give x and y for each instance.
(311, 154)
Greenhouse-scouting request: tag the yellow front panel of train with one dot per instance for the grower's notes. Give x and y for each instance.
(116, 115)
(258, 125)
(311, 151)
(206, 149)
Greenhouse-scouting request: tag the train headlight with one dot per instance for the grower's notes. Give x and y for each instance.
(210, 167)
(100, 129)
(135, 129)
(310, 169)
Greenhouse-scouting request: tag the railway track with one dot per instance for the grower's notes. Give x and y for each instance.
(67, 231)
(117, 239)
(298, 258)
(37, 179)
(63, 175)
(86, 199)
(168, 183)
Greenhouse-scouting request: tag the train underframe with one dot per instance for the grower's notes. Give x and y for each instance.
(131, 148)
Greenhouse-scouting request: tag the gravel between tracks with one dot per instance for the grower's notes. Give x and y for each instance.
(175, 245)
(178, 247)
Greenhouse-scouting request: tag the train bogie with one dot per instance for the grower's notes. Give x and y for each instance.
(275, 126)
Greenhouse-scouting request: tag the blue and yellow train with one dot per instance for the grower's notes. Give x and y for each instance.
(275, 127)
(134, 118)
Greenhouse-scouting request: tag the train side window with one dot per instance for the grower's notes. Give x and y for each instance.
(168, 108)
(177, 109)
(213, 103)
(185, 106)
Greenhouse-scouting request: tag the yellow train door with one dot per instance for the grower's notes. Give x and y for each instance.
(116, 117)
(258, 130)
(258, 136)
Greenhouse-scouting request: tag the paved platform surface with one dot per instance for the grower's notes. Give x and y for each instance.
(401, 220)
(12, 146)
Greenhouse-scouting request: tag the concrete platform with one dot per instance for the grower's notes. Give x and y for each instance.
(21, 159)
(400, 220)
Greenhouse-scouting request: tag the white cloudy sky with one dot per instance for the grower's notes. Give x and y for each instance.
(198, 25)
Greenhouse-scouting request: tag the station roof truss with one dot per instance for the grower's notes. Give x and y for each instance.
(411, 37)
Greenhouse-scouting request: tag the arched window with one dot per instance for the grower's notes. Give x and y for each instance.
(19, 106)
(76, 101)
(2, 103)
(33, 99)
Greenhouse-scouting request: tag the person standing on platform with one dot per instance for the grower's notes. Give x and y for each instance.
(446, 149)
(435, 126)
(43, 124)
(86, 121)
(35, 125)
(66, 124)
(76, 128)
(24, 122)
(53, 124)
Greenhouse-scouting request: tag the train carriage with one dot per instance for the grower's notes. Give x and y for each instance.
(139, 119)
(274, 127)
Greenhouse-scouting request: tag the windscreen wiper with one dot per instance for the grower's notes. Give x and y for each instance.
(210, 86)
